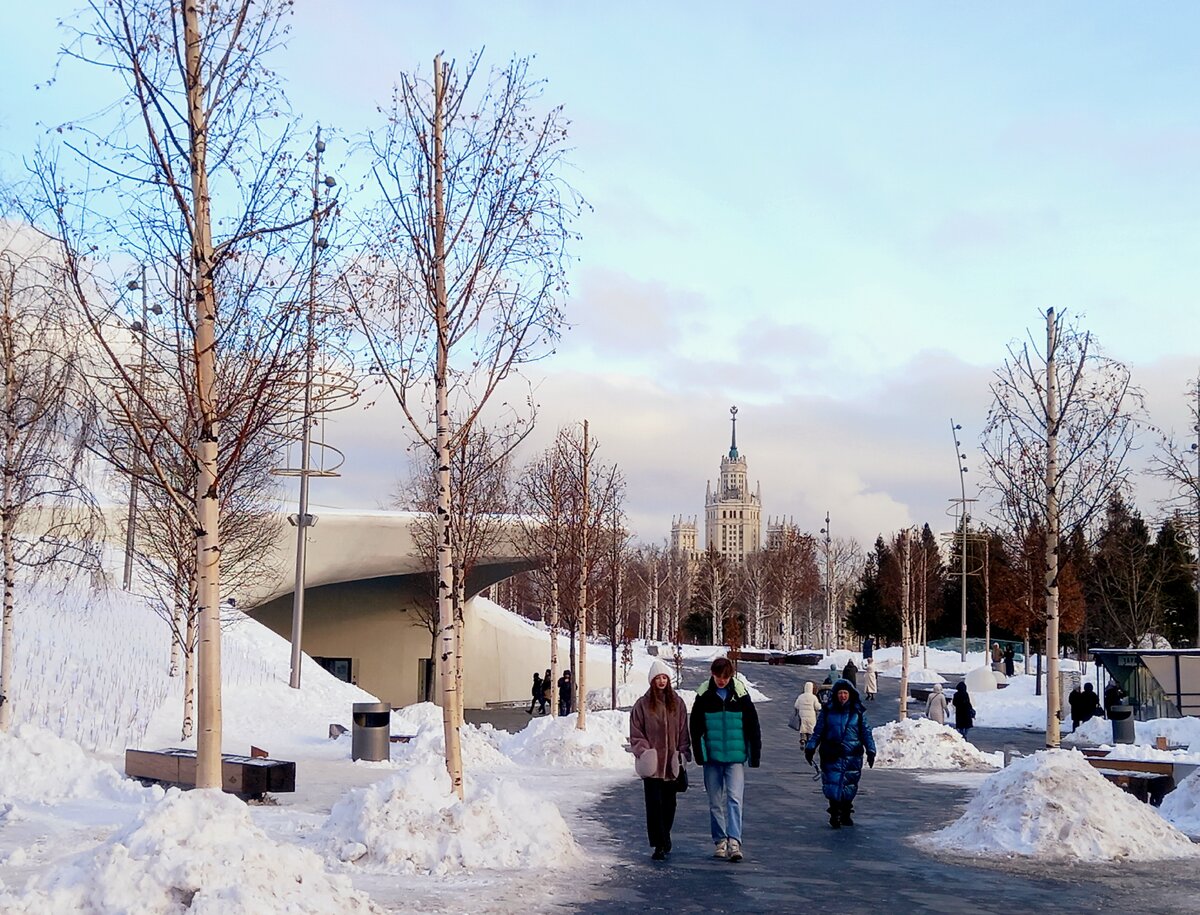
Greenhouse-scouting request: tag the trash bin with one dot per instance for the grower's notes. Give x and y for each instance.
(372, 731)
(1121, 716)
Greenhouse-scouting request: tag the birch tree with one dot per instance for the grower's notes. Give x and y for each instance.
(466, 282)
(1062, 423)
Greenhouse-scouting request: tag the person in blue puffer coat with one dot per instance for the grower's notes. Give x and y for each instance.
(843, 736)
(725, 737)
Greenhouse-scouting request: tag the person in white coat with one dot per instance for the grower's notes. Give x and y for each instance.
(807, 704)
(870, 681)
(935, 708)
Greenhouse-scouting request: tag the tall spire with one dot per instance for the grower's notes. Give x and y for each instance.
(733, 452)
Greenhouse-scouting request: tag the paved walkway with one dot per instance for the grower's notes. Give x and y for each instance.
(795, 862)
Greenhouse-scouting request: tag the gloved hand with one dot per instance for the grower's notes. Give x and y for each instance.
(754, 764)
(808, 756)
(871, 760)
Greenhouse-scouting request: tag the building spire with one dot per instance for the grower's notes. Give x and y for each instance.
(733, 452)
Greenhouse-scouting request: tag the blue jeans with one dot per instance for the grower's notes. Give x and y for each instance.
(724, 783)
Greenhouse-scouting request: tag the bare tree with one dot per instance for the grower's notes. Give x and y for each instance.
(47, 514)
(465, 285)
(1061, 425)
(200, 181)
(714, 591)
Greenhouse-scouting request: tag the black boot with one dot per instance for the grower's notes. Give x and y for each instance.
(835, 815)
(847, 809)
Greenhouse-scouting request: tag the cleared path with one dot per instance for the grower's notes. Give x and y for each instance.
(795, 862)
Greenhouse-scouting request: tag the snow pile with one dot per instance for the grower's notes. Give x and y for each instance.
(915, 675)
(1181, 731)
(557, 742)
(1015, 706)
(413, 823)
(1181, 807)
(38, 767)
(627, 694)
(981, 680)
(1053, 805)
(197, 852)
(918, 743)
(423, 722)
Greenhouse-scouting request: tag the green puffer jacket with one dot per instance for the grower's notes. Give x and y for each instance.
(728, 731)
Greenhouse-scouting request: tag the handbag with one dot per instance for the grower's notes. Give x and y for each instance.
(794, 721)
(680, 783)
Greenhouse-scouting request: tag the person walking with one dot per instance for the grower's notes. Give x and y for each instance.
(808, 705)
(935, 706)
(725, 738)
(536, 692)
(843, 737)
(964, 714)
(1009, 659)
(1089, 704)
(850, 672)
(564, 694)
(868, 647)
(870, 680)
(825, 693)
(544, 698)
(997, 657)
(661, 743)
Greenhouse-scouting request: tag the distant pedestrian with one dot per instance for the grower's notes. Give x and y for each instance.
(1089, 703)
(1009, 657)
(547, 685)
(842, 736)
(964, 713)
(536, 692)
(834, 673)
(808, 705)
(1113, 695)
(935, 705)
(725, 738)
(565, 696)
(868, 648)
(997, 657)
(850, 672)
(870, 680)
(659, 740)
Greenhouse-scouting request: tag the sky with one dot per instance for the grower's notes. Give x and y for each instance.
(834, 218)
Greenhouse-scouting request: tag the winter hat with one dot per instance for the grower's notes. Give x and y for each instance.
(658, 667)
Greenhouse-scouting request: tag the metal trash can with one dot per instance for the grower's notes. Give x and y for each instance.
(1121, 716)
(372, 731)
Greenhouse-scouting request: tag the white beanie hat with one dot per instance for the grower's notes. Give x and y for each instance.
(659, 666)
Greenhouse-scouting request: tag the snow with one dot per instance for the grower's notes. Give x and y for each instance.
(1181, 731)
(1181, 807)
(1054, 806)
(919, 743)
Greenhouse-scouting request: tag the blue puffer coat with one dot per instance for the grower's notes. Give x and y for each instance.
(841, 736)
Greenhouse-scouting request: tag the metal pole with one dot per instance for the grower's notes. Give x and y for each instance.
(962, 485)
(1196, 486)
(134, 463)
(303, 519)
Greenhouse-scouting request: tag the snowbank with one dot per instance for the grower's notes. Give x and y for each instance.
(556, 742)
(919, 743)
(423, 722)
(38, 767)
(413, 823)
(1181, 807)
(1182, 731)
(197, 852)
(1054, 806)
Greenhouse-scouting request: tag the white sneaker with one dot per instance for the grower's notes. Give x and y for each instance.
(735, 850)
(722, 850)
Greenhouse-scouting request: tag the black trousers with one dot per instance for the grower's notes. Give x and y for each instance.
(660, 810)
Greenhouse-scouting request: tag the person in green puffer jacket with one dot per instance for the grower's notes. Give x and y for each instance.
(725, 737)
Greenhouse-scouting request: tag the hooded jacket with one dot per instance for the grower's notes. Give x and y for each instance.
(964, 714)
(935, 708)
(660, 732)
(725, 731)
(870, 680)
(808, 705)
(842, 736)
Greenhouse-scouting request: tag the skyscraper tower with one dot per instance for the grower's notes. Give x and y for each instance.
(732, 514)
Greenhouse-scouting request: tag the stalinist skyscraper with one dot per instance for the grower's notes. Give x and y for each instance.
(732, 514)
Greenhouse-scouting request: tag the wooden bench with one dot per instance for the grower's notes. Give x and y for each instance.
(1147, 780)
(247, 777)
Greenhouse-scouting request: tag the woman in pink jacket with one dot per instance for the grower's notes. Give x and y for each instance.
(659, 739)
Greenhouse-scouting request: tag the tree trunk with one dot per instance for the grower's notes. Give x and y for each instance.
(1053, 703)
(208, 545)
(187, 726)
(176, 636)
(905, 628)
(448, 651)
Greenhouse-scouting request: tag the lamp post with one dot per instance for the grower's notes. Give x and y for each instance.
(303, 520)
(828, 587)
(138, 327)
(959, 457)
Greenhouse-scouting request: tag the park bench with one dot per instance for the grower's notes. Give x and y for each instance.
(247, 777)
(1147, 780)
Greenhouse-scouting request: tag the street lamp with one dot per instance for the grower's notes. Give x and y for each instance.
(963, 501)
(828, 587)
(140, 328)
